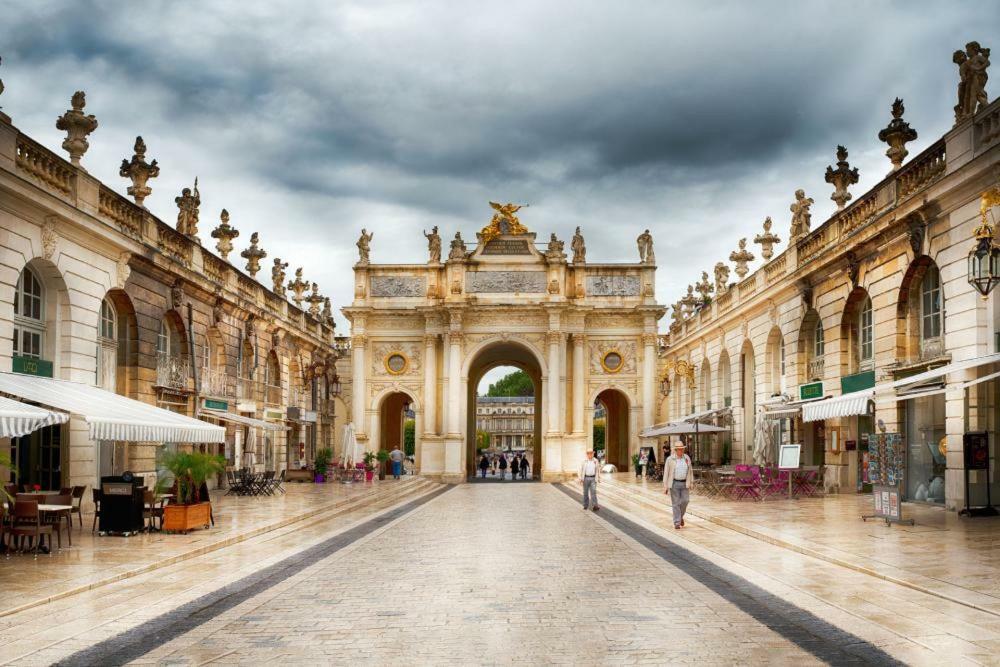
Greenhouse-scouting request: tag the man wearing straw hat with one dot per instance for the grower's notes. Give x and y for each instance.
(678, 478)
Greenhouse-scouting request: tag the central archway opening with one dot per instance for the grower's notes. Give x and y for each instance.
(397, 427)
(504, 412)
(611, 436)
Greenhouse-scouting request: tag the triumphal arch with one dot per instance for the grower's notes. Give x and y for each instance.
(423, 335)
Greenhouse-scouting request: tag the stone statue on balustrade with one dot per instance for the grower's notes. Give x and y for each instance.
(579, 248)
(458, 250)
(434, 245)
(645, 243)
(721, 278)
(187, 210)
(278, 276)
(801, 217)
(972, 64)
(554, 252)
(364, 247)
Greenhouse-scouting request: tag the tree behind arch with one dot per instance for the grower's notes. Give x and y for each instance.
(517, 383)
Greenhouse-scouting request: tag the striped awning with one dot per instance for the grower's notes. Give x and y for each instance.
(108, 415)
(855, 403)
(17, 419)
(243, 420)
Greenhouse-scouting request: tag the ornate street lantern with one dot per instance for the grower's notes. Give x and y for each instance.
(335, 384)
(984, 258)
(665, 386)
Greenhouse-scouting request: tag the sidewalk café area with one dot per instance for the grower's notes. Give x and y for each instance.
(34, 517)
(731, 482)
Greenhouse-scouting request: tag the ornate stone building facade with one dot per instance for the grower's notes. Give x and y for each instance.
(509, 421)
(430, 331)
(873, 304)
(98, 291)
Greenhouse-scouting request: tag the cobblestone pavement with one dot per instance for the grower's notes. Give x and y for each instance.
(496, 575)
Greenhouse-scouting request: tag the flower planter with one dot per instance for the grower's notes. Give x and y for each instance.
(319, 479)
(183, 518)
(369, 475)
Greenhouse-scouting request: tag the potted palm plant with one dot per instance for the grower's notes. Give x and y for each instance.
(635, 464)
(7, 464)
(383, 458)
(189, 470)
(370, 458)
(321, 464)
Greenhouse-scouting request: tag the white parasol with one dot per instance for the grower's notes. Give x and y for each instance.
(348, 450)
(761, 438)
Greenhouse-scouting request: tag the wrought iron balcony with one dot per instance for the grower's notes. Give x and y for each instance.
(931, 348)
(272, 394)
(246, 389)
(216, 382)
(172, 371)
(816, 367)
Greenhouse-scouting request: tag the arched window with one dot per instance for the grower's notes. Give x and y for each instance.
(706, 385)
(163, 339)
(775, 362)
(107, 346)
(930, 300)
(725, 381)
(29, 316)
(866, 336)
(272, 379)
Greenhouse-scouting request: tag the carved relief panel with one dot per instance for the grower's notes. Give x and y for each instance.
(395, 358)
(612, 357)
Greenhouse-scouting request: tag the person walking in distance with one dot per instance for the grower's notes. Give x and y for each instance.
(397, 456)
(678, 479)
(503, 467)
(484, 465)
(524, 466)
(589, 470)
(515, 465)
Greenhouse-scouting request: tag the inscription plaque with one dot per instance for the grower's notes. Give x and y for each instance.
(398, 286)
(613, 285)
(506, 247)
(505, 281)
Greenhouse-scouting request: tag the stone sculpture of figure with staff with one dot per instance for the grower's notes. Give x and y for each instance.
(434, 245)
(645, 243)
(364, 246)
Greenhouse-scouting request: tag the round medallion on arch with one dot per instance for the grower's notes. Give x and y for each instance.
(612, 361)
(396, 363)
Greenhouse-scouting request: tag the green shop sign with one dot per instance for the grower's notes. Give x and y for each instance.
(213, 404)
(811, 390)
(30, 366)
(857, 382)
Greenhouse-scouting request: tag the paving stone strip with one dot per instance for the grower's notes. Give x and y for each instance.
(823, 640)
(133, 644)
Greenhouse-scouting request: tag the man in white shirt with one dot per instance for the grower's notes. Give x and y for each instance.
(589, 473)
(678, 478)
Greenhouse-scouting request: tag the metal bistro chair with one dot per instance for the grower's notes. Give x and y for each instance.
(746, 485)
(152, 509)
(96, 496)
(55, 519)
(27, 522)
(77, 502)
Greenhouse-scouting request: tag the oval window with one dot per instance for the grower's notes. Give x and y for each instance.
(613, 362)
(395, 363)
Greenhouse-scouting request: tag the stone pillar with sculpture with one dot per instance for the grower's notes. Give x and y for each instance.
(430, 384)
(552, 440)
(649, 358)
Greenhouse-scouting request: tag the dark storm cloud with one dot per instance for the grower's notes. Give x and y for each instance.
(311, 121)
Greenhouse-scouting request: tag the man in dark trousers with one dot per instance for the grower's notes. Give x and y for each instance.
(503, 466)
(514, 467)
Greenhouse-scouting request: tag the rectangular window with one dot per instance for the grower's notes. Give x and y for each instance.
(867, 334)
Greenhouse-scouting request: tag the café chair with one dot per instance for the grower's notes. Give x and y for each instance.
(27, 522)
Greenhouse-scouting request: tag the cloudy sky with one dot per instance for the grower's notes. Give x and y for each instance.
(309, 121)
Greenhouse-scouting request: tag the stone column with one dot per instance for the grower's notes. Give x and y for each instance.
(454, 383)
(554, 339)
(579, 340)
(430, 384)
(358, 392)
(648, 380)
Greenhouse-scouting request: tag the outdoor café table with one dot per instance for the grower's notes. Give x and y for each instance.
(804, 481)
(63, 511)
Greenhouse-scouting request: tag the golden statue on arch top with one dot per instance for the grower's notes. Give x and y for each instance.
(504, 221)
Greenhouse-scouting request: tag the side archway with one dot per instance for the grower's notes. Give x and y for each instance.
(617, 434)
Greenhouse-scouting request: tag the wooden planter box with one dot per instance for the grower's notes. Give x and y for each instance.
(182, 518)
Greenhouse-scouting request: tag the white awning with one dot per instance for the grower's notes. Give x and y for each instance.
(789, 409)
(110, 416)
(854, 403)
(17, 419)
(682, 428)
(942, 371)
(234, 418)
